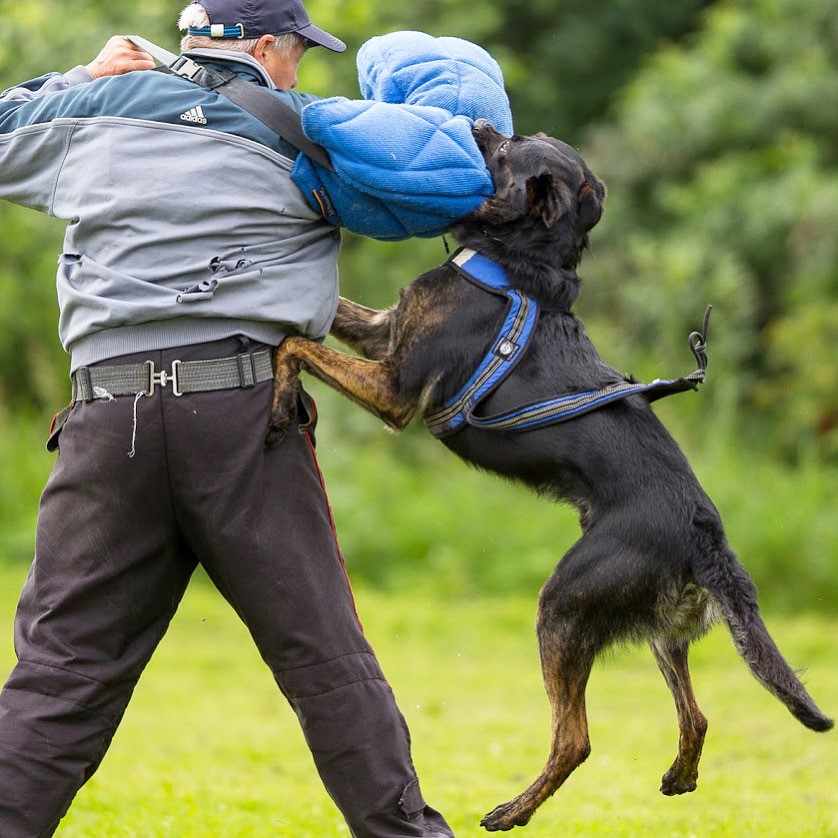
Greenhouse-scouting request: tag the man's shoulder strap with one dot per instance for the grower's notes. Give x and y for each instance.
(281, 118)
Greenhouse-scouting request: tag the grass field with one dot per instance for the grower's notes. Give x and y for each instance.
(208, 747)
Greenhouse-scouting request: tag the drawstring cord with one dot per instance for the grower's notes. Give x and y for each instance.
(133, 450)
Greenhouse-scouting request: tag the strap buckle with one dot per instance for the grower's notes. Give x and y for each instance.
(186, 68)
(162, 378)
(698, 343)
(247, 370)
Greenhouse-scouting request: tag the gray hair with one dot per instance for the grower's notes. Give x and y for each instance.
(196, 15)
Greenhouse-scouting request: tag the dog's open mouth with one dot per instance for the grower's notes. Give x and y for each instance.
(486, 136)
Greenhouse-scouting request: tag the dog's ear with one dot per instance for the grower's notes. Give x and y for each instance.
(591, 198)
(543, 198)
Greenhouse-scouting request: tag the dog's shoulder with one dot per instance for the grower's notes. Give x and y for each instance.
(438, 301)
(442, 325)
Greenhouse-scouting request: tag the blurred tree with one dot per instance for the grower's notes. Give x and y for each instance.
(571, 56)
(563, 59)
(723, 187)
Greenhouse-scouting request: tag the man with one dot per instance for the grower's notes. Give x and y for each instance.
(189, 253)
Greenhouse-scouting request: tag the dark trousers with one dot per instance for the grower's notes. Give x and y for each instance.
(117, 541)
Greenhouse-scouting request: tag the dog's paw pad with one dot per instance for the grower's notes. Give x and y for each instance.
(276, 433)
(672, 784)
(272, 439)
(505, 817)
(280, 421)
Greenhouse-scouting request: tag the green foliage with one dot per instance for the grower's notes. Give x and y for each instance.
(25, 467)
(30, 355)
(571, 57)
(410, 514)
(723, 176)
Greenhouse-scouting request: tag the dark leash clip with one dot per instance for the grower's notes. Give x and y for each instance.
(698, 342)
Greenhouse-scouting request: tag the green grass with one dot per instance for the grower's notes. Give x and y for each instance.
(208, 748)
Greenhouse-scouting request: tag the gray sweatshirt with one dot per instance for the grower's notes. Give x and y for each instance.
(183, 223)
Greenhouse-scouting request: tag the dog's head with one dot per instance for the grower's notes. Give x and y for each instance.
(545, 203)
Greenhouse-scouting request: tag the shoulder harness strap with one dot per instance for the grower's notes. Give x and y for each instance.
(258, 101)
(507, 349)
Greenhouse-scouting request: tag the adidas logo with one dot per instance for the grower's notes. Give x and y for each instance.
(194, 115)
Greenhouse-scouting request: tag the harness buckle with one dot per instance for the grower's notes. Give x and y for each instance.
(186, 68)
(162, 378)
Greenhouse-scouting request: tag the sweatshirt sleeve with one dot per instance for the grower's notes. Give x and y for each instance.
(343, 205)
(32, 148)
(43, 85)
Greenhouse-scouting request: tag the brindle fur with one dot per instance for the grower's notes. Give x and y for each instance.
(653, 562)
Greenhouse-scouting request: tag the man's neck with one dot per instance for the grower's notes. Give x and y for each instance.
(234, 55)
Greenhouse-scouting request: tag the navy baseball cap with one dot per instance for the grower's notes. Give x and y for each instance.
(254, 18)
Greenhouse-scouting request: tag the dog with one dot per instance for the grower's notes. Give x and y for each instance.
(653, 563)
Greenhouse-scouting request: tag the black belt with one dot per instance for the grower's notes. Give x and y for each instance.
(103, 382)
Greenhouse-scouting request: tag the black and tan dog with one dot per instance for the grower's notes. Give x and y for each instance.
(653, 562)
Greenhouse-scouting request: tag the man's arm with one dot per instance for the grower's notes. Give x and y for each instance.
(32, 145)
(118, 56)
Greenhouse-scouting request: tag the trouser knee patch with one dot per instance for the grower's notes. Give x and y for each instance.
(411, 803)
(320, 678)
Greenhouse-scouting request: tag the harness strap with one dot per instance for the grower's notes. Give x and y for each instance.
(257, 101)
(508, 348)
(104, 382)
(567, 407)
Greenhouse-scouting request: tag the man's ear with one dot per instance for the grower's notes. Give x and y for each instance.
(543, 198)
(265, 43)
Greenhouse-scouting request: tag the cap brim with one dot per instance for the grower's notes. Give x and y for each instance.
(321, 38)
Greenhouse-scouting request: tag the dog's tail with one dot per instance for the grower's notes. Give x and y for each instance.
(735, 591)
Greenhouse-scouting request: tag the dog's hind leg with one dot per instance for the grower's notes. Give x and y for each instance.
(671, 656)
(566, 660)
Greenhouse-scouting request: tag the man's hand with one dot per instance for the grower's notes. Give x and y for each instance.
(118, 56)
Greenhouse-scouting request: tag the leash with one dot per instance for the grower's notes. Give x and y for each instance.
(257, 101)
(508, 348)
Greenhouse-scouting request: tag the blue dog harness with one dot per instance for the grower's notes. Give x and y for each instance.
(508, 348)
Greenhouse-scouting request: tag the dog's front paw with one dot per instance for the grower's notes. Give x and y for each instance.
(283, 414)
(680, 779)
(506, 816)
(277, 430)
(286, 391)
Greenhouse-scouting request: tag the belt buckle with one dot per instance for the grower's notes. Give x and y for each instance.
(162, 378)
